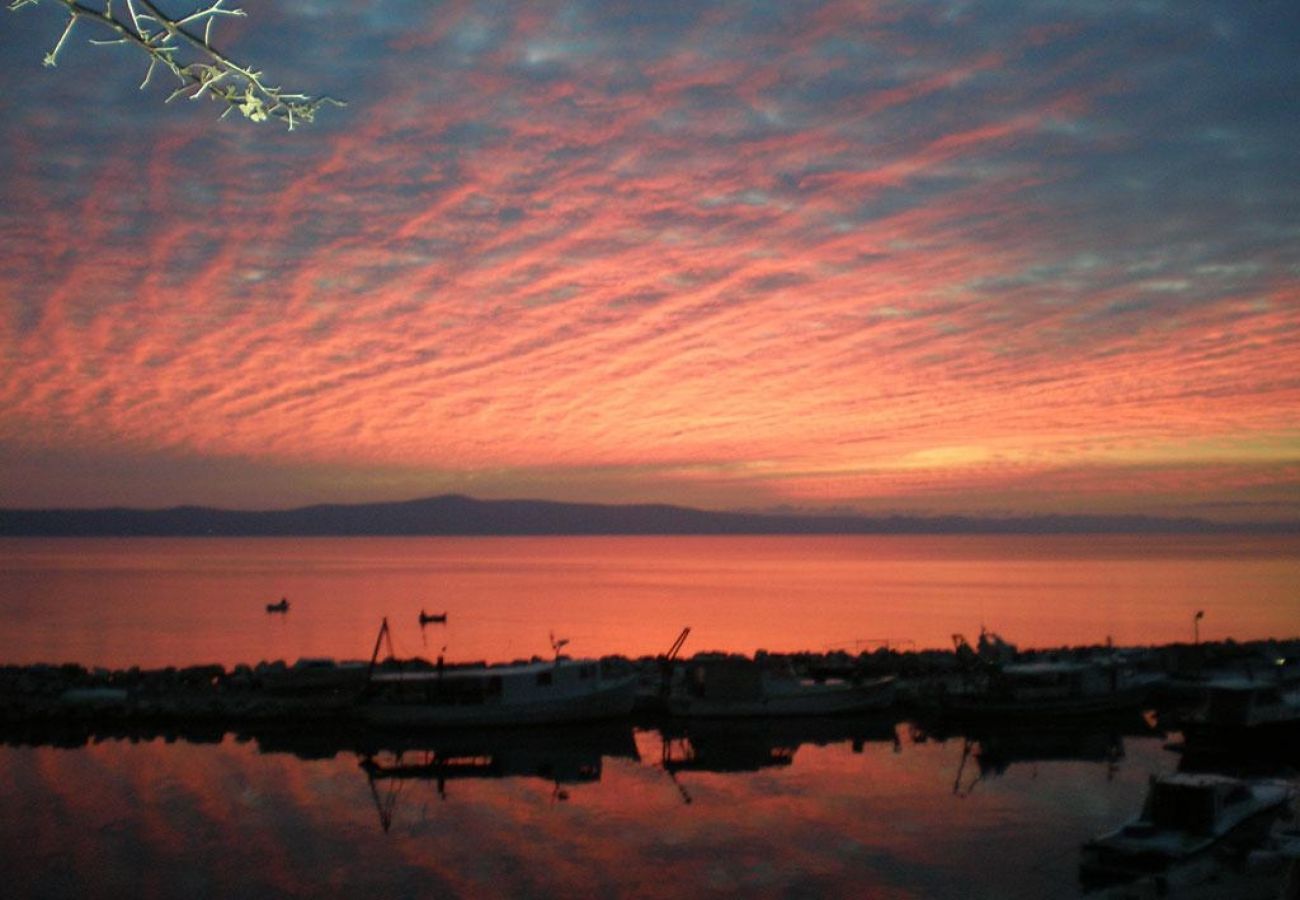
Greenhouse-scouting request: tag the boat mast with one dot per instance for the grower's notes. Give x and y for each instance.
(677, 644)
(384, 632)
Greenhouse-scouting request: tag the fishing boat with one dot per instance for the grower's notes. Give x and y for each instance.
(281, 607)
(734, 687)
(533, 693)
(1184, 817)
(538, 692)
(1244, 712)
(1053, 689)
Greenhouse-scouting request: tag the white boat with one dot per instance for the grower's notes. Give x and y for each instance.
(535, 693)
(729, 686)
(1056, 688)
(1185, 815)
(1244, 712)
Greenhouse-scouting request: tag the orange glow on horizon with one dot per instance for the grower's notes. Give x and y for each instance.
(561, 287)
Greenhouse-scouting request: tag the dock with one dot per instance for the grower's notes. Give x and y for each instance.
(214, 697)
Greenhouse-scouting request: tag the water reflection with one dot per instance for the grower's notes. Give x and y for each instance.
(989, 751)
(832, 807)
(560, 756)
(747, 745)
(161, 602)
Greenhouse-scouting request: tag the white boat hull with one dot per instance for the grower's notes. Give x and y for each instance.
(611, 699)
(1140, 848)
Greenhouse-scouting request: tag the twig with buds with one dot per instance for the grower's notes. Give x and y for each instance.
(200, 68)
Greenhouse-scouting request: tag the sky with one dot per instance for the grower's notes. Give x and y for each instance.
(922, 257)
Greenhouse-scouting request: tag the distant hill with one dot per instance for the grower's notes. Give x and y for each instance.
(457, 515)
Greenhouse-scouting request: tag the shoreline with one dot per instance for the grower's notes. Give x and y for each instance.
(319, 691)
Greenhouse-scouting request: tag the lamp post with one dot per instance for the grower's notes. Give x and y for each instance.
(1196, 626)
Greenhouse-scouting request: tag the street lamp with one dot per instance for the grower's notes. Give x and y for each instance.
(1196, 626)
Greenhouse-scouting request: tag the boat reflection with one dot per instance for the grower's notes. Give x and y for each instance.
(990, 749)
(533, 750)
(731, 746)
(568, 755)
(562, 756)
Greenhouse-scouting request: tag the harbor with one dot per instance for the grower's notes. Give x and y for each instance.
(404, 779)
(995, 681)
(824, 727)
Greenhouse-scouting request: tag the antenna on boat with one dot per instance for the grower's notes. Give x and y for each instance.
(557, 645)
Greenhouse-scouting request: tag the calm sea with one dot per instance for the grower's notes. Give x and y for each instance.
(857, 807)
(157, 602)
(840, 809)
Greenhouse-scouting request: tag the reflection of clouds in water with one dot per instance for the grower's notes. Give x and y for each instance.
(844, 824)
(251, 797)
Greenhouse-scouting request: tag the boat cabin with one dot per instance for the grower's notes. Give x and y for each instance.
(1195, 804)
(507, 685)
(725, 679)
(1055, 680)
(1244, 703)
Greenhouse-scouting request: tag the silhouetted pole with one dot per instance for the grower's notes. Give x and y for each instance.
(1196, 626)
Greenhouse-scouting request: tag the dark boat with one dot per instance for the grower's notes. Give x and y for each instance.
(1185, 816)
(1037, 690)
(281, 607)
(1245, 714)
(436, 618)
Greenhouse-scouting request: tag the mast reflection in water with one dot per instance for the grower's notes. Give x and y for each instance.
(828, 807)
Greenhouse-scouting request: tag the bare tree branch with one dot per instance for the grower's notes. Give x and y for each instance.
(199, 67)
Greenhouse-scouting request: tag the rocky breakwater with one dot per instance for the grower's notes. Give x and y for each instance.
(212, 697)
(267, 691)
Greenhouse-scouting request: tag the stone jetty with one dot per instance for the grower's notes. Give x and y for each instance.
(319, 690)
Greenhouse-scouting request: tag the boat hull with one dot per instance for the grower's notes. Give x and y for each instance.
(1058, 708)
(610, 700)
(1123, 856)
(1202, 735)
(813, 700)
(1102, 865)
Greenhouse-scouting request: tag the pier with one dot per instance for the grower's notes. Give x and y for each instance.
(214, 698)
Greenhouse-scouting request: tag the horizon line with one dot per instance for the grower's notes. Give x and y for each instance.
(508, 517)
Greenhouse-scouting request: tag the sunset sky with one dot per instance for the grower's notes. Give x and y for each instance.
(921, 257)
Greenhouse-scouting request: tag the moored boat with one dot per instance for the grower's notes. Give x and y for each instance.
(730, 686)
(1244, 712)
(1048, 689)
(1185, 816)
(534, 693)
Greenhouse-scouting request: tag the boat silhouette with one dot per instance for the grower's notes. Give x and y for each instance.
(562, 756)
